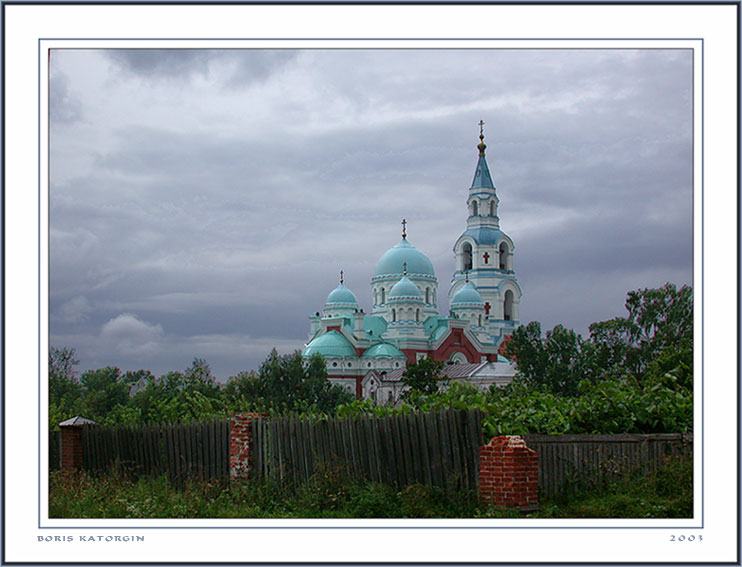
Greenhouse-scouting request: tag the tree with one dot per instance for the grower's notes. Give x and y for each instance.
(655, 338)
(288, 383)
(423, 377)
(556, 363)
(103, 390)
(63, 384)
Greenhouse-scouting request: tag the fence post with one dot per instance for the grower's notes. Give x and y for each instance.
(508, 473)
(241, 443)
(71, 441)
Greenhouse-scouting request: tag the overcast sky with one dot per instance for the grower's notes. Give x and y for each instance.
(202, 203)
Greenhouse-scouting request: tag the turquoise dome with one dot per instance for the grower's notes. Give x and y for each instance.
(393, 260)
(405, 288)
(468, 294)
(342, 295)
(383, 350)
(330, 345)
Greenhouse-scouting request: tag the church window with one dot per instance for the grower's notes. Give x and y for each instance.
(427, 295)
(394, 315)
(492, 209)
(474, 208)
(383, 296)
(334, 364)
(466, 250)
(503, 256)
(417, 315)
(369, 365)
(376, 296)
(480, 320)
(508, 306)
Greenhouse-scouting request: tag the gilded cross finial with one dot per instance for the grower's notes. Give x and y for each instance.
(341, 276)
(467, 276)
(481, 144)
(404, 228)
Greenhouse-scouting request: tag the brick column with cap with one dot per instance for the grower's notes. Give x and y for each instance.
(508, 473)
(71, 442)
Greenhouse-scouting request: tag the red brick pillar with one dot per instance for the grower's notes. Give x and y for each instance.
(241, 443)
(71, 445)
(508, 473)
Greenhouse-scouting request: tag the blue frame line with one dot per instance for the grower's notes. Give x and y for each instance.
(603, 39)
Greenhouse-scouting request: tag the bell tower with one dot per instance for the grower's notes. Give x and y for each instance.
(485, 253)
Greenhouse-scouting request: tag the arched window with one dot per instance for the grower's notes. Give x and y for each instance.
(503, 256)
(492, 208)
(508, 306)
(417, 315)
(480, 320)
(466, 250)
(474, 208)
(427, 295)
(376, 297)
(383, 296)
(394, 315)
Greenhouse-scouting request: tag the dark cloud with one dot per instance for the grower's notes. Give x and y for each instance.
(231, 67)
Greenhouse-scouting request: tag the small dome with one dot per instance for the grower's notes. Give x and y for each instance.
(383, 350)
(330, 345)
(467, 295)
(393, 260)
(405, 288)
(341, 295)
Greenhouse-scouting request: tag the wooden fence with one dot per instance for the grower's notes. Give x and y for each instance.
(434, 449)
(197, 450)
(582, 460)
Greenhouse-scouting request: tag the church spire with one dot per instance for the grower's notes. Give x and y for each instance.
(482, 177)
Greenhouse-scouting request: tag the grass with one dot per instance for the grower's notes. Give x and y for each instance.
(331, 493)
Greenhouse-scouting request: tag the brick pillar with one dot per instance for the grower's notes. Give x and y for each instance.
(71, 448)
(508, 473)
(241, 443)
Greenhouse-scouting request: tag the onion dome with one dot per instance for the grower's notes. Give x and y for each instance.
(467, 296)
(330, 345)
(393, 260)
(341, 295)
(383, 350)
(405, 289)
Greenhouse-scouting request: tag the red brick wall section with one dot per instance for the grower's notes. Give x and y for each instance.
(240, 443)
(508, 473)
(71, 448)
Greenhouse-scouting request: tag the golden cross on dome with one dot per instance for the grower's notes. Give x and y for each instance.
(341, 276)
(404, 228)
(405, 269)
(481, 128)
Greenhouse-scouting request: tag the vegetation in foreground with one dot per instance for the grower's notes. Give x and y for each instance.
(330, 493)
